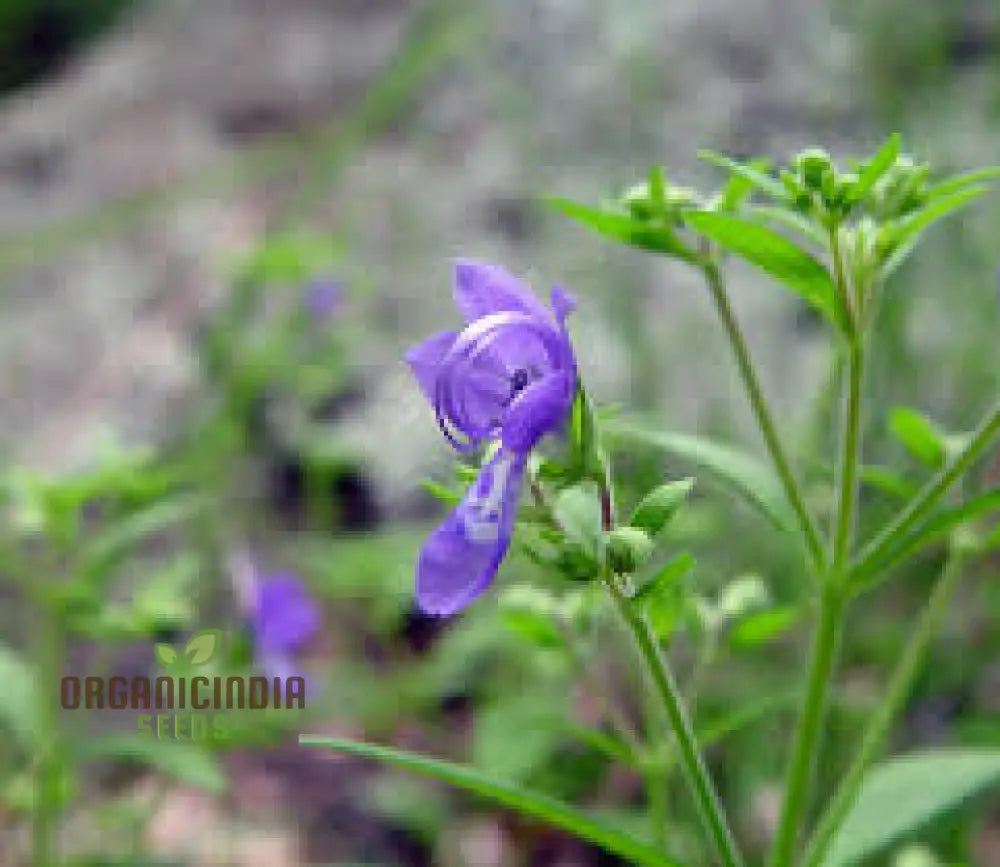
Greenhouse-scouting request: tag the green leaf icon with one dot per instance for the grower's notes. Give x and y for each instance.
(201, 647)
(165, 654)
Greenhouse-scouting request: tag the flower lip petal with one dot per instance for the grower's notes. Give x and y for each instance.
(481, 288)
(461, 557)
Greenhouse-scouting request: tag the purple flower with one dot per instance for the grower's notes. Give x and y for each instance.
(506, 380)
(323, 298)
(283, 619)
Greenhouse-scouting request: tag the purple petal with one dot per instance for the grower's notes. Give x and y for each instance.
(425, 360)
(283, 665)
(461, 557)
(563, 303)
(540, 409)
(481, 289)
(323, 297)
(285, 617)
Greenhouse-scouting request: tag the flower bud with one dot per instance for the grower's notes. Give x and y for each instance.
(628, 549)
(815, 169)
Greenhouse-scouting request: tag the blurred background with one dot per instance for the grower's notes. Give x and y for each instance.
(221, 225)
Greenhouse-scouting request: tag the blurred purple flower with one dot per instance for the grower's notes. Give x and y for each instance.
(283, 619)
(323, 298)
(506, 380)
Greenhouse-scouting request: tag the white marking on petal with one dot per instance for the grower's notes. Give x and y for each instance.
(481, 521)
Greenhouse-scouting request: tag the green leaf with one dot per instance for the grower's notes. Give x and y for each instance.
(18, 697)
(578, 512)
(760, 627)
(789, 220)
(717, 730)
(901, 238)
(625, 229)
(744, 474)
(960, 182)
(202, 646)
(904, 794)
(774, 254)
(918, 434)
(658, 506)
(756, 178)
(514, 797)
(663, 597)
(440, 492)
(108, 547)
(165, 654)
(516, 735)
(877, 166)
(888, 482)
(870, 572)
(670, 574)
(189, 763)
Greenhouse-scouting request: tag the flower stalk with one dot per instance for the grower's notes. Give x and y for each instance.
(765, 419)
(668, 693)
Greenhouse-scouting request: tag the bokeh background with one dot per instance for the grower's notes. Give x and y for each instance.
(174, 175)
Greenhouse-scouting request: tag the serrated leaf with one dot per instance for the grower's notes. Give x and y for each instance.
(760, 627)
(625, 229)
(189, 763)
(511, 796)
(918, 434)
(18, 697)
(658, 506)
(751, 479)
(776, 256)
(904, 794)
(202, 646)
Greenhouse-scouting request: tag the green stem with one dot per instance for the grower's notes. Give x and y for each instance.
(762, 413)
(810, 727)
(48, 768)
(702, 787)
(877, 730)
(710, 807)
(848, 496)
(808, 734)
(929, 496)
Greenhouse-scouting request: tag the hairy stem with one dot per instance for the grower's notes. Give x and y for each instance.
(765, 419)
(877, 730)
